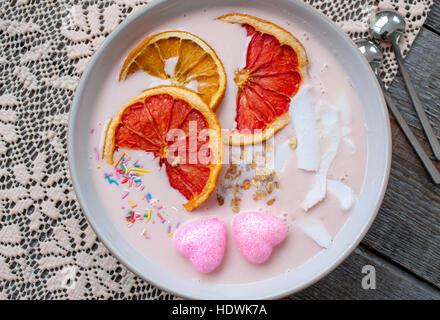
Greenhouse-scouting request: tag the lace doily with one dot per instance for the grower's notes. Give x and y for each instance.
(47, 249)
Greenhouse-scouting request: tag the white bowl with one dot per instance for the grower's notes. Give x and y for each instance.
(378, 162)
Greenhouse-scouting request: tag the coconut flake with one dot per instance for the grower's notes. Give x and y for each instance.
(342, 192)
(303, 119)
(316, 230)
(330, 137)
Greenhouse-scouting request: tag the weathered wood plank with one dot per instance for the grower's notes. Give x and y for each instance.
(407, 229)
(346, 281)
(433, 20)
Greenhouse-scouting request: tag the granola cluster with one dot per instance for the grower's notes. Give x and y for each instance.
(262, 182)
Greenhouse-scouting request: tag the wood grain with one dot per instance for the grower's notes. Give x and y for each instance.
(407, 228)
(345, 282)
(433, 20)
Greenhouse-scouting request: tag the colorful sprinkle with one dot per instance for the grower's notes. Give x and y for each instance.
(149, 216)
(125, 195)
(110, 181)
(138, 169)
(129, 200)
(160, 216)
(120, 158)
(96, 153)
(98, 166)
(92, 130)
(170, 234)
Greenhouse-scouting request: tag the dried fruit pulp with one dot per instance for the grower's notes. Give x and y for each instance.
(196, 62)
(267, 82)
(176, 132)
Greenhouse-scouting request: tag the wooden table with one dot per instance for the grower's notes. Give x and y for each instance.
(403, 244)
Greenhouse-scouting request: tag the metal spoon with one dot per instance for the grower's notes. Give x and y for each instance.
(374, 56)
(389, 25)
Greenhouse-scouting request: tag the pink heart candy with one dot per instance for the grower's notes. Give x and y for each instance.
(256, 233)
(203, 242)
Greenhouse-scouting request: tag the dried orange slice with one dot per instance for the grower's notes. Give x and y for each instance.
(178, 128)
(275, 66)
(196, 64)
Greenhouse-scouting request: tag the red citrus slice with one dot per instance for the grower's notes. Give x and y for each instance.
(178, 128)
(275, 64)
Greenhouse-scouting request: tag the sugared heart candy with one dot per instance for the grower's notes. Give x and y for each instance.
(256, 233)
(203, 242)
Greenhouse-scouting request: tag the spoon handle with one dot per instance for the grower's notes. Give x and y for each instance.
(432, 170)
(435, 145)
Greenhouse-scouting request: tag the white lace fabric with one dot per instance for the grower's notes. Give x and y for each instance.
(47, 248)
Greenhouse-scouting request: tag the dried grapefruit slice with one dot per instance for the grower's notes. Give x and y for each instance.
(275, 65)
(178, 128)
(196, 64)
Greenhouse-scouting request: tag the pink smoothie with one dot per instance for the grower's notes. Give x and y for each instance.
(328, 86)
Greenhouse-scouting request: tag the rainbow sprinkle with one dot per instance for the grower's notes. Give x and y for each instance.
(129, 172)
(144, 234)
(149, 216)
(110, 181)
(120, 158)
(96, 153)
(138, 169)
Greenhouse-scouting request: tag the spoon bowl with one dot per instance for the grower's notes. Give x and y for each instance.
(387, 25)
(372, 52)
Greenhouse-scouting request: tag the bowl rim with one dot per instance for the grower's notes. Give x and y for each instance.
(75, 179)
